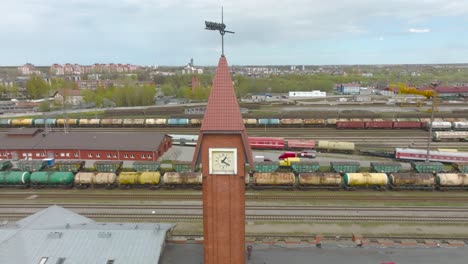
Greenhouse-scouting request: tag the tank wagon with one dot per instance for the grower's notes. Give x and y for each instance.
(333, 146)
(274, 180)
(19, 179)
(147, 179)
(40, 179)
(452, 181)
(182, 180)
(412, 181)
(320, 181)
(450, 136)
(95, 179)
(365, 180)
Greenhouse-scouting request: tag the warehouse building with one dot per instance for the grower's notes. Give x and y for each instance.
(59, 236)
(33, 143)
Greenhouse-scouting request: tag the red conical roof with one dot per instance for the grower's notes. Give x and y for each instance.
(222, 111)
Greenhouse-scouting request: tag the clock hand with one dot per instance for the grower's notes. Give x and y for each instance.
(224, 161)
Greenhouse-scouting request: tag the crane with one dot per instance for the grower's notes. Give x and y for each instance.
(428, 94)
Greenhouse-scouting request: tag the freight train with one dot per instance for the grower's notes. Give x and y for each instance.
(297, 175)
(456, 124)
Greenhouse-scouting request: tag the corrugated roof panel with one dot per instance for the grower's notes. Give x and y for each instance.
(81, 241)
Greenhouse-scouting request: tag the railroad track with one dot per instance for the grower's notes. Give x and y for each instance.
(155, 196)
(84, 206)
(148, 217)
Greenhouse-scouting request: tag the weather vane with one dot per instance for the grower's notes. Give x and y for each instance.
(218, 26)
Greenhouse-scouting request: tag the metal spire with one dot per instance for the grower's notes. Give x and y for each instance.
(220, 27)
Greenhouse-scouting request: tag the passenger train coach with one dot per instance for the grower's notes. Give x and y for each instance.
(457, 124)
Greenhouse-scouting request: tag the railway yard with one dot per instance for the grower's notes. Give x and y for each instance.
(279, 213)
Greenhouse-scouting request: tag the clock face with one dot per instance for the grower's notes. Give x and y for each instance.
(223, 161)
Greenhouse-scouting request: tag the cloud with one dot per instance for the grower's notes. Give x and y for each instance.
(381, 38)
(419, 30)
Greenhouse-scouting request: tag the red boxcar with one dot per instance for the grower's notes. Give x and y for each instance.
(350, 124)
(379, 124)
(300, 144)
(266, 142)
(406, 124)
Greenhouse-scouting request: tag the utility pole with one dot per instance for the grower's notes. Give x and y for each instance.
(429, 140)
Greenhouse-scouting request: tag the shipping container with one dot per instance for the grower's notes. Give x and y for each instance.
(385, 167)
(266, 166)
(52, 179)
(317, 180)
(427, 167)
(412, 181)
(274, 179)
(366, 180)
(345, 166)
(146, 165)
(15, 178)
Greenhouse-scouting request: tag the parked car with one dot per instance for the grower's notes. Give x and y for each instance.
(311, 154)
(286, 155)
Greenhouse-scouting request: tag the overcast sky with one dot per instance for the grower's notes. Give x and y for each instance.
(170, 32)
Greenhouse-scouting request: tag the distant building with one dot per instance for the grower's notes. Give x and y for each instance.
(68, 96)
(307, 94)
(28, 69)
(56, 235)
(349, 88)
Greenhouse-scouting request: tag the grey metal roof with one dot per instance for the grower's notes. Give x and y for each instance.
(55, 233)
(85, 141)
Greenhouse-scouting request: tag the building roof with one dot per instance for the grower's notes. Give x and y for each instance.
(85, 141)
(222, 112)
(56, 232)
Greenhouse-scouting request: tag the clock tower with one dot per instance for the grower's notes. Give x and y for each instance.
(223, 150)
